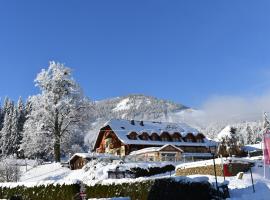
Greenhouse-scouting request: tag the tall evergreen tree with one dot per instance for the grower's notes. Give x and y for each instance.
(249, 133)
(21, 118)
(1, 118)
(15, 132)
(6, 139)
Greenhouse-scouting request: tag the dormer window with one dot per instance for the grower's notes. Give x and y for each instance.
(175, 139)
(199, 140)
(154, 137)
(165, 137)
(144, 136)
(132, 136)
(189, 140)
(200, 137)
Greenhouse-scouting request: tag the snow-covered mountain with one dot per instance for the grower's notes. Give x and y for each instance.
(141, 107)
(138, 107)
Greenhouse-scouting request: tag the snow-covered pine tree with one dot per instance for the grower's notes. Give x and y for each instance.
(15, 132)
(1, 118)
(57, 114)
(6, 132)
(230, 142)
(249, 135)
(21, 114)
(21, 118)
(37, 142)
(8, 106)
(1, 123)
(27, 108)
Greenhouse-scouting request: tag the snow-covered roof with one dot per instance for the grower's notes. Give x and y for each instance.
(94, 155)
(152, 149)
(82, 155)
(122, 128)
(252, 147)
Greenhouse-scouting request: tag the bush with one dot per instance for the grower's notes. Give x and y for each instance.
(48, 192)
(140, 172)
(153, 189)
(161, 189)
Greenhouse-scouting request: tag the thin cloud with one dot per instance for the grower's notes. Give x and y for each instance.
(233, 108)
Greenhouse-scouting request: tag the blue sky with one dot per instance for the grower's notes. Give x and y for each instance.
(184, 51)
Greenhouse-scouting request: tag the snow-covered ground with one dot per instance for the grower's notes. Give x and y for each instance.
(240, 189)
(92, 171)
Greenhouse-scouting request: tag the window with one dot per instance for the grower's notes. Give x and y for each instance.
(189, 140)
(108, 141)
(154, 137)
(175, 139)
(144, 137)
(165, 138)
(200, 140)
(132, 136)
(168, 157)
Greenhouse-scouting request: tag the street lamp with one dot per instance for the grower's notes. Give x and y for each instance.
(213, 152)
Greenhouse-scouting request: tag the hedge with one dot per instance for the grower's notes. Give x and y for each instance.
(140, 172)
(161, 189)
(151, 189)
(48, 192)
(209, 169)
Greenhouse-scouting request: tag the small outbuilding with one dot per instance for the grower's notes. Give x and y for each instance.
(167, 152)
(79, 160)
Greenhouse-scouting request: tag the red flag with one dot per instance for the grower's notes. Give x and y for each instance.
(266, 149)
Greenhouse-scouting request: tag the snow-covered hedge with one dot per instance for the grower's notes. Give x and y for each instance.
(154, 189)
(42, 192)
(137, 189)
(141, 172)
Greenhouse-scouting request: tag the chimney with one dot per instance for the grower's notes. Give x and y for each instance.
(141, 123)
(132, 122)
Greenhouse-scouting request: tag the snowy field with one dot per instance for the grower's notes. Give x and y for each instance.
(240, 189)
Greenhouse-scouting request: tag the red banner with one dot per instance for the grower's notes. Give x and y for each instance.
(266, 148)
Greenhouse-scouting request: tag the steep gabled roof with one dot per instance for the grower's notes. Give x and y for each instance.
(122, 128)
(93, 155)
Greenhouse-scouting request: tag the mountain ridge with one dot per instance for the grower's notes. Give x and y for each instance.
(148, 108)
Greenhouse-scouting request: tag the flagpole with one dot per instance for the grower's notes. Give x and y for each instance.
(266, 129)
(264, 169)
(263, 145)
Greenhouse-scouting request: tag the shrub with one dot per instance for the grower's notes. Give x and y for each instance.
(161, 189)
(48, 192)
(140, 172)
